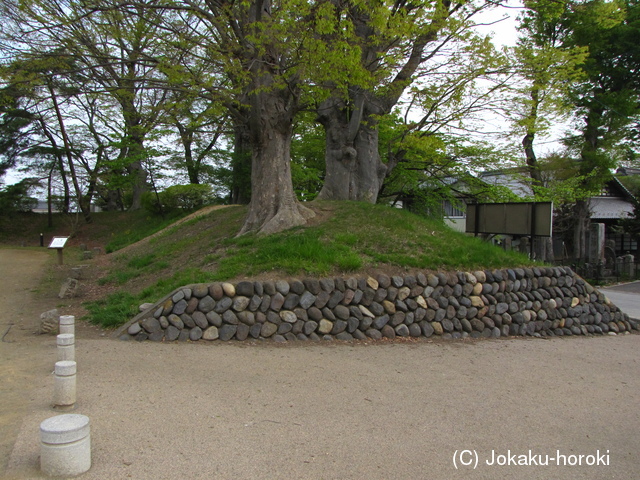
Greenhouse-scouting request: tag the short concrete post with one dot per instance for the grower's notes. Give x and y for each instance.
(65, 385)
(67, 324)
(66, 347)
(65, 445)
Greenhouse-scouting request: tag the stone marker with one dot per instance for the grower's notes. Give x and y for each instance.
(66, 347)
(49, 322)
(64, 396)
(69, 288)
(65, 445)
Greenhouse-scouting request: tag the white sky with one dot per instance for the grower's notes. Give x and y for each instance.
(500, 24)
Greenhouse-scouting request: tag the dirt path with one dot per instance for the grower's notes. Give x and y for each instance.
(22, 354)
(27, 357)
(321, 411)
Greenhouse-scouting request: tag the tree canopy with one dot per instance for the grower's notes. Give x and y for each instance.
(274, 102)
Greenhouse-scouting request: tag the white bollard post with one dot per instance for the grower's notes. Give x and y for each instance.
(65, 445)
(65, 385)
(66, 347)
(67, 324)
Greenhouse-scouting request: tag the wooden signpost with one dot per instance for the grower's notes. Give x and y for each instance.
(532, 219)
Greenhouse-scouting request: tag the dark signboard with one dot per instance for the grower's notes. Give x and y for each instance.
(528, 218)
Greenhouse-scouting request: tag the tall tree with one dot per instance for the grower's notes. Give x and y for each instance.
(37, 83)
(112, 53)
(270, 61)
(545, 70)
(15, 122)
(395, 40)
(448, 101)
(607, 103)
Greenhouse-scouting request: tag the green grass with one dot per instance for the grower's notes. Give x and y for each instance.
(143, 228)
(308, 251)
(355, 239)
(112, 311)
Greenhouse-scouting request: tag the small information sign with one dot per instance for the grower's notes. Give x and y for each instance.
(58, 243)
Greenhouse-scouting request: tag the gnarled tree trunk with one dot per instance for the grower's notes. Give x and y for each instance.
(354, 170)
(274, 206)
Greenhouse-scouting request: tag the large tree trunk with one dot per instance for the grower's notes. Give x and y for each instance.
(274, 206)
(528, 139)
(241, 164)
(137, 173)
(139, 185)
(590, 163)
(134, 137)
(113, 201)
(59, 162)
(370, 171)
(354, 170)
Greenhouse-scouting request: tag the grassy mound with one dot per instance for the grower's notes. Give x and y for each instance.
(344, 238)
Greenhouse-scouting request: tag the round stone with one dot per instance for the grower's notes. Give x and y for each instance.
(324, 326)
(388, 332)
(245, 289)
(242, 332)
(228, 289)
(171, 333)
(288, 316)
(134, 329)
(268, 329)
(283, 287)
(341, 312)
(226, 332)
(240, 303)
(402, 330)
(195, 334)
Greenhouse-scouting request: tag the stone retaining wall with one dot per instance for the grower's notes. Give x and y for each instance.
(520, 301)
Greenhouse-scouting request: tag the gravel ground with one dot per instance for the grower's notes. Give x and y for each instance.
(337, 411)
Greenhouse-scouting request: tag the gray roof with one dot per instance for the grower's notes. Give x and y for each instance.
(604, 208)
(513, 179)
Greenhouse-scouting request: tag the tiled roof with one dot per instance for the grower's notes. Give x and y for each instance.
(610, 207)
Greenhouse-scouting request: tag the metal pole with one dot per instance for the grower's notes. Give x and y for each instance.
(476, 209)
(533, 228)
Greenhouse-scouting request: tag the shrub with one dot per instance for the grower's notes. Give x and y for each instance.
(188, 197)
(150, 203)
(185, 197)
(15, 198)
